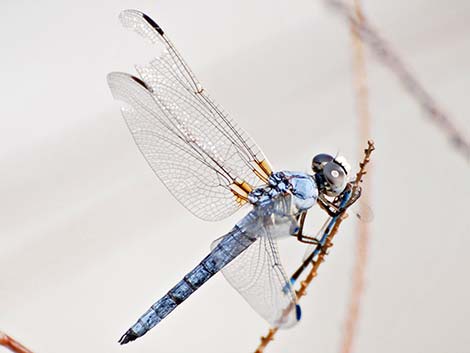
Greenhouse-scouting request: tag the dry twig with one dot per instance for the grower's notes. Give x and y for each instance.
(384, 52)
(12, 345)
(362, 243)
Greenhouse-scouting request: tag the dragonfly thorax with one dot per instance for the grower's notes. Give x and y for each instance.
(301, 186)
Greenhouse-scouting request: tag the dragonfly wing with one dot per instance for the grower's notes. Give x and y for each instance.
(257, 274)
(311, 247)
(197, 184)
(207, 162)
(363, 211)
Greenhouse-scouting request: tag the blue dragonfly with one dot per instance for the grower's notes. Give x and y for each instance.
(214, 168)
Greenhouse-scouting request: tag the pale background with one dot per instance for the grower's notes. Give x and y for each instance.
(90, 238)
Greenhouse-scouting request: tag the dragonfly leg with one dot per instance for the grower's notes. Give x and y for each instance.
(307, 239)
(328, 206)
(354, 196)
(333, 207)
(299, 231)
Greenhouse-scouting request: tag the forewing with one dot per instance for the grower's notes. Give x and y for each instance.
(194, 178)
(257, 274)
(208, 163)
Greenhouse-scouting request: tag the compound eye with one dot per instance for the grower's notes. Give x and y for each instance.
(335, 176)
(320, 160)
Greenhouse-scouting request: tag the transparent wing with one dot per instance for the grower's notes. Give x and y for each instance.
(311, 248)
(362, 211)
(206, 161)
(257, 274)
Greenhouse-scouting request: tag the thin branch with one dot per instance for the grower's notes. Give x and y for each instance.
(321, 249)
(362, 243)
(12, 344)
(384, 52)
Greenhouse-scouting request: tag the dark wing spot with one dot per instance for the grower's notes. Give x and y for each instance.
(142, 83)
(153, 24)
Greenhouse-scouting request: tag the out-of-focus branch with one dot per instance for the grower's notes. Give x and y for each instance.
(384, 52)
(12, 345)
(362, 242)
(321, 249)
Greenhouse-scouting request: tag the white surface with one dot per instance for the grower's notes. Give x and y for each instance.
(90, 238)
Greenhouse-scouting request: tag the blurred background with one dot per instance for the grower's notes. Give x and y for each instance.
(90, 238)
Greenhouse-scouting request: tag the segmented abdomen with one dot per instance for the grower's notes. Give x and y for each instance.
(232, 245)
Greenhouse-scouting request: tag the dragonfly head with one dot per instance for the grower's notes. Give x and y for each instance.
(331, 173)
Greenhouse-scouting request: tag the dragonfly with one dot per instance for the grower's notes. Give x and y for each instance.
(213, 168)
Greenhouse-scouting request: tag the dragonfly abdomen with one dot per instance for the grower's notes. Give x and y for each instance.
(231, 245)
